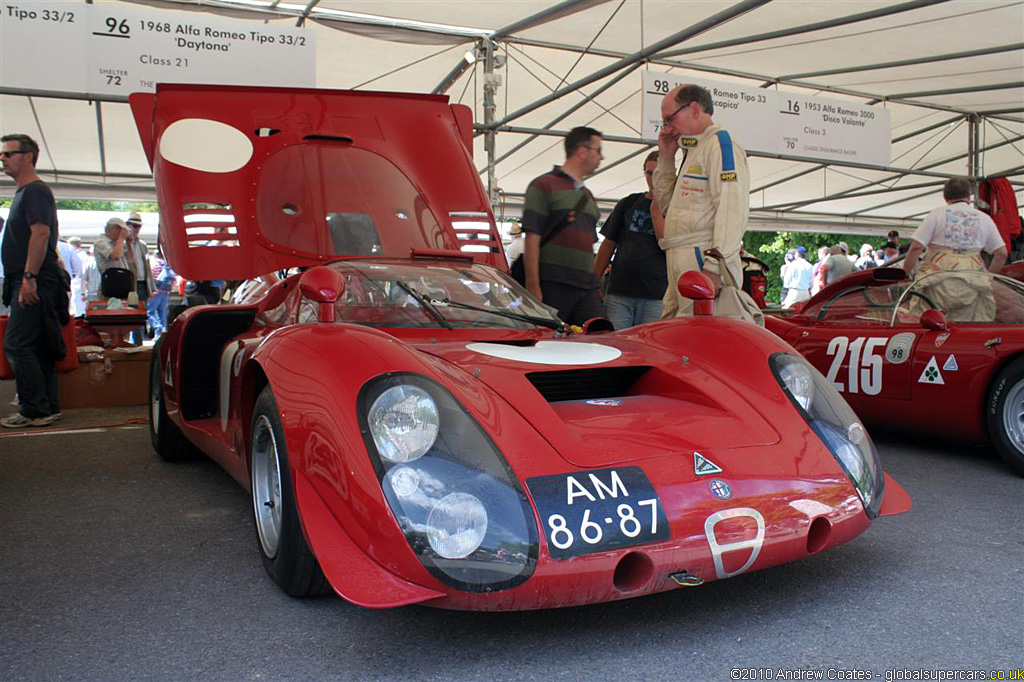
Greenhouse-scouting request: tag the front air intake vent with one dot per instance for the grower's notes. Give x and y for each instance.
(585, 384)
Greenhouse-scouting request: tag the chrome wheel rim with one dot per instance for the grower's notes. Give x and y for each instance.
(266, 486)
(1013, 416)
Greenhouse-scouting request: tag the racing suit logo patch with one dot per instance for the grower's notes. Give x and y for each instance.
(729, 176)
(687, 141)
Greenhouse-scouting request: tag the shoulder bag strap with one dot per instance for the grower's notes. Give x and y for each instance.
(571, 216)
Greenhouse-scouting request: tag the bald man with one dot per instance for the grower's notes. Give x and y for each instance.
(706, 202)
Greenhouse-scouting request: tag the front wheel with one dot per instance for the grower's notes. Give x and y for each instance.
(1004, 411)
(167, 439)
(286, 556)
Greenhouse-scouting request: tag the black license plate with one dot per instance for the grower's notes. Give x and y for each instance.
(594, 511)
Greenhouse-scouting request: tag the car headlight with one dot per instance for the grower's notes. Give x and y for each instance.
(799, 381)
(457, 525)
(829, 416)
(403, 423)
(462, 510)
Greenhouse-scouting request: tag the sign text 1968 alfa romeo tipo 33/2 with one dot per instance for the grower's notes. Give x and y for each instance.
(414, 427)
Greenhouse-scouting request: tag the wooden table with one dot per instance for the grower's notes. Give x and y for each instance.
(117, 323)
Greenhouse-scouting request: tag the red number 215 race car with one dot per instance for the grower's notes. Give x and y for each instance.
(940, 355)
(414, 427)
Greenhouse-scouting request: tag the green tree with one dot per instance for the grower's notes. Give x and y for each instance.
(771, 247)
(100, 205)
(112, 206)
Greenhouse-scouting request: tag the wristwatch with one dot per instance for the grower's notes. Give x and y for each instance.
(29, 275)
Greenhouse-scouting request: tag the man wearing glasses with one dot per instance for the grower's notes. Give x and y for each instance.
(31, 285)
(560, 223)
(706, 203)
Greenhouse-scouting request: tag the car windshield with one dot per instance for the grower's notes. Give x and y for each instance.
(861, 304)
(401, 295)
(965, 297)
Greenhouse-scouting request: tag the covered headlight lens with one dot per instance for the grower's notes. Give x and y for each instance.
(461, 509)
(799, 381)
(836, 424)
(457, 525)
(403, 421)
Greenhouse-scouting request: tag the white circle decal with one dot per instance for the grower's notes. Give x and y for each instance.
(550, 352)
(898, 350)
(205, 145)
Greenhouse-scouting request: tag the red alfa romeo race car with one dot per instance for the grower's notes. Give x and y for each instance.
(940, 355)
(414, 427)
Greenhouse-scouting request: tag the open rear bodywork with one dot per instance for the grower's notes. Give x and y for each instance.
(252, 180)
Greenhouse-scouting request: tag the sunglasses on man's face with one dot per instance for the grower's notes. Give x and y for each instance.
(8, 155)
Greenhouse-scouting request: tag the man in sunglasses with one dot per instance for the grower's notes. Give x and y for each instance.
(31, 285)
(705, 204)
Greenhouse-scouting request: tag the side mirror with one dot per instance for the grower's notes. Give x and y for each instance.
(934, 320)
(596, 325)
(324, 286)
(698, 288)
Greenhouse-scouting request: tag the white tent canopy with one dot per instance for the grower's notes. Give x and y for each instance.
(950, 72)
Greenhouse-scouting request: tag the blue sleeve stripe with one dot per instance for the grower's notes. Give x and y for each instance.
(725, 142)
(700, 257)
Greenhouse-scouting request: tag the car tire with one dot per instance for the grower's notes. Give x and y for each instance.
(1004, 412)
(167, 439)
(279, 536)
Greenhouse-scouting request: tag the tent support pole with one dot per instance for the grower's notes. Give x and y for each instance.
(491, 83)
(973, 155)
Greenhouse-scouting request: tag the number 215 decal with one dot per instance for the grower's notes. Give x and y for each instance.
(865, 364)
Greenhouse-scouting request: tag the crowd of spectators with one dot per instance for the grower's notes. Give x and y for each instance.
(801, 279)
(120, 247)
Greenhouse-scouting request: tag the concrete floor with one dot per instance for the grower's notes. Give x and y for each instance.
(117, 566)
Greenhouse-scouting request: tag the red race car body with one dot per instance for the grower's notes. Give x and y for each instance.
(941, 355)
(414, 427)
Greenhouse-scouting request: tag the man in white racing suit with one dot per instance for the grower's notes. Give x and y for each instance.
(706, 202)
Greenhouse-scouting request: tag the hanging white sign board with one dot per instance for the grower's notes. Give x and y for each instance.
(744, 111)
(131, 50)
(44, 45)
(109, 49)
(771, 122)
(834, 130)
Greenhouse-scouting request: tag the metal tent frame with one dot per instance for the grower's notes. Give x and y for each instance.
(861, 197)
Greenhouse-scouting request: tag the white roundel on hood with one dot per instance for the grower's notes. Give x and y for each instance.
(550, 352)
(205, 145)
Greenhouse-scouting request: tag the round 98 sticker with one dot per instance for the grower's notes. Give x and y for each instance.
(898, 349)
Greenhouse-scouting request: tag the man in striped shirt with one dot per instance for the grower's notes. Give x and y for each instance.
(560, 271)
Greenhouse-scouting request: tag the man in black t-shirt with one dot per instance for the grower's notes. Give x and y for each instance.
(639, 275)
(31, 285)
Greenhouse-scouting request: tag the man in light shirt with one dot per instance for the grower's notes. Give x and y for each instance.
(956, 235)
(798, 279)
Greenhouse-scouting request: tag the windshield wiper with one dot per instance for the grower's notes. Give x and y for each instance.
(426, 303)
(539, 321)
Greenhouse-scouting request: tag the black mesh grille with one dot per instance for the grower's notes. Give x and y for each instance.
(584, 384)
(206, 334)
